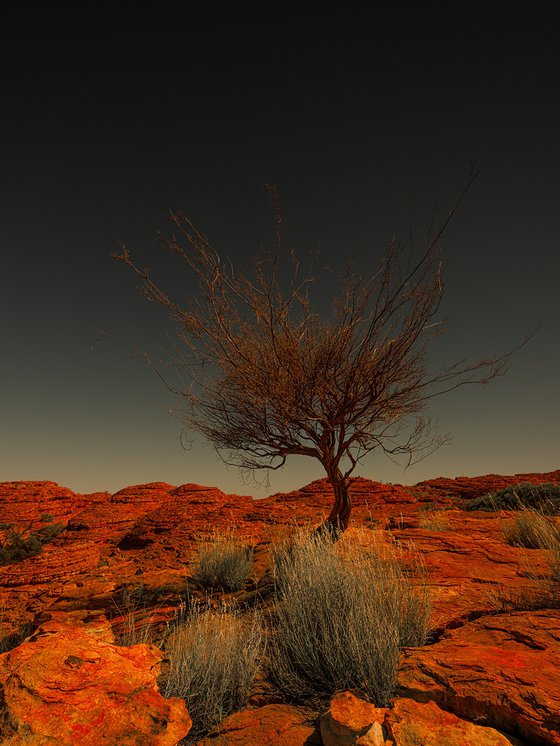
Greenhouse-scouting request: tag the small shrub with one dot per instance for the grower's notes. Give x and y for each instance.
(542, 497)
(48, 533)
(213, 660)
(16, 547)
(223, 562)
(14, 639)
(343, 612)
(532, 530)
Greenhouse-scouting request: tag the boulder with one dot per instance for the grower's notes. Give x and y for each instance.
(68, 683)
(412, 723)
(350, 721)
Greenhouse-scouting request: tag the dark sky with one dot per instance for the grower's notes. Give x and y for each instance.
(106, 128)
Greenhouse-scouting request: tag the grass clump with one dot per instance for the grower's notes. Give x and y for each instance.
(213, 660)
(134, 620)
(223, 562)
(434, 520)
(532, 529)
(342, 615)
(11, 637)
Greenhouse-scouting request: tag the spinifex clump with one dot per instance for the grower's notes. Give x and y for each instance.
(343, 613)
(223, 562)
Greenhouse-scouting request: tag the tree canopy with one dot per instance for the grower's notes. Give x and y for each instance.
(266, 375)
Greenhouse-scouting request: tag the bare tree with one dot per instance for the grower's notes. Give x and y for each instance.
(266, 377)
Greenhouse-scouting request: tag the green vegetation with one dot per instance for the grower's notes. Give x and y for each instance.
(17, 545)
(542, 497)
(223, 562)
(342, 615)
(14, 639)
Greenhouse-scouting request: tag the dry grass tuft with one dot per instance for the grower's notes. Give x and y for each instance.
(344, 611)
(223, 562)
(213, 660)
(434, 520)
(532, 529)
(139, 619)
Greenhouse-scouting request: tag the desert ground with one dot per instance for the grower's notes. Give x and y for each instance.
(101, 594)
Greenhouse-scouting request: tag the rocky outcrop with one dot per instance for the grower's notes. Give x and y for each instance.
(470, 564)
(500, 670)
(350, 721)
(24, 503)
(469, 487)
(69, 684)
(483, 677)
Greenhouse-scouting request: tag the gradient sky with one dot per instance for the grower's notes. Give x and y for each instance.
(104, 131)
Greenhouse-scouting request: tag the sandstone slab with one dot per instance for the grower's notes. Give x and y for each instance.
(500, 670)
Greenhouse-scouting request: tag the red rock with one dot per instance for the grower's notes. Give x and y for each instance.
(273, 725)
(177, 525)
(69, 684)
(500, 670)
(351, 721)
(31, 585)
(23, 503)
(151, 493)
(56, 562)
(108, 521)
(147, 534)
(411, 723)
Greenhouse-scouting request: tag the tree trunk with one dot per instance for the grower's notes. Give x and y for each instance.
(339, 517)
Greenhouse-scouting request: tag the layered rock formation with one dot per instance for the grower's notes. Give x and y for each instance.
(484, 679)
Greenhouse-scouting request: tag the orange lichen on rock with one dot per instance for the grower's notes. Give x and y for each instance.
(69, 684)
